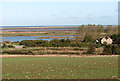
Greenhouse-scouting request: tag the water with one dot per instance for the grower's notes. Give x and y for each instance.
(49, 25)
(20, 38)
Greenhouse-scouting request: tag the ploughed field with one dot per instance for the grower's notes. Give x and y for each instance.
(59, 67)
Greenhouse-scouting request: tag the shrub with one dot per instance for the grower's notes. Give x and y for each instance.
(107, 50)
(91, 49)
(54, 43)
(116, 50)
(84, 44)
(4, 46)
(88, 38)
(29, 43)
(7, 42)
(111, 50)
(98, 45)
(30, 53)
(34, 43)
(116, 38)
(13, 52)
(11, 46)
(76, 48)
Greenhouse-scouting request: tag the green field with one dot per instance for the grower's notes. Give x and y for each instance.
(59, 67)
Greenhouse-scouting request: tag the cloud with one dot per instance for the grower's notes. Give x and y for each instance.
(53, 15)
(104, 17)
(63, 12)
(58, 14)
(95, 18)
(72, 17)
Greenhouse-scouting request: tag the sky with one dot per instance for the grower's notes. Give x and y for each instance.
(59, 13)
(59, 0)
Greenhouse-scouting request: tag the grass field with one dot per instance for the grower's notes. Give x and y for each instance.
(59, 67)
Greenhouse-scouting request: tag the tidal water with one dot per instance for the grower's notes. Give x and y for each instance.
(20, 38)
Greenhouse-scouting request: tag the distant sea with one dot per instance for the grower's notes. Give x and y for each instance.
(39, 26)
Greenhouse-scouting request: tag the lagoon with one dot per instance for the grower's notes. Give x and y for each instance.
(20, 38)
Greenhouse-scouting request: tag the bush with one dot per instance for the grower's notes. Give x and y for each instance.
(76, 48)
(7, 46)
(7, 42)
(111, 50)
(11, 46)
(107, 50)
(16, 42)
(4, 46)
(44, 43)
(116, 50)
(14, 52)
(54, 43)
(91, 49)
(29, 43)
(88, 38)
(34, 43)
(30, 53)
(116, 38)
(84, 44)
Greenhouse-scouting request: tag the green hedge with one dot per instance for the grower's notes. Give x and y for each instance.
(14, 52)
(53, 43)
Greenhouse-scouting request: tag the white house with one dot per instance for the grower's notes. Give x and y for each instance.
(18, 46)
(106, 40)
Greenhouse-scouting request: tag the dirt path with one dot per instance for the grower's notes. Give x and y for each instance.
(57, 55)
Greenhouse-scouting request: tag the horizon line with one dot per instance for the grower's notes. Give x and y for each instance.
(51, 25)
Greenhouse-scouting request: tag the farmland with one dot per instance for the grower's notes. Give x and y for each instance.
(80, 57)
(49, 50)
(59, 40)
(59, 67)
